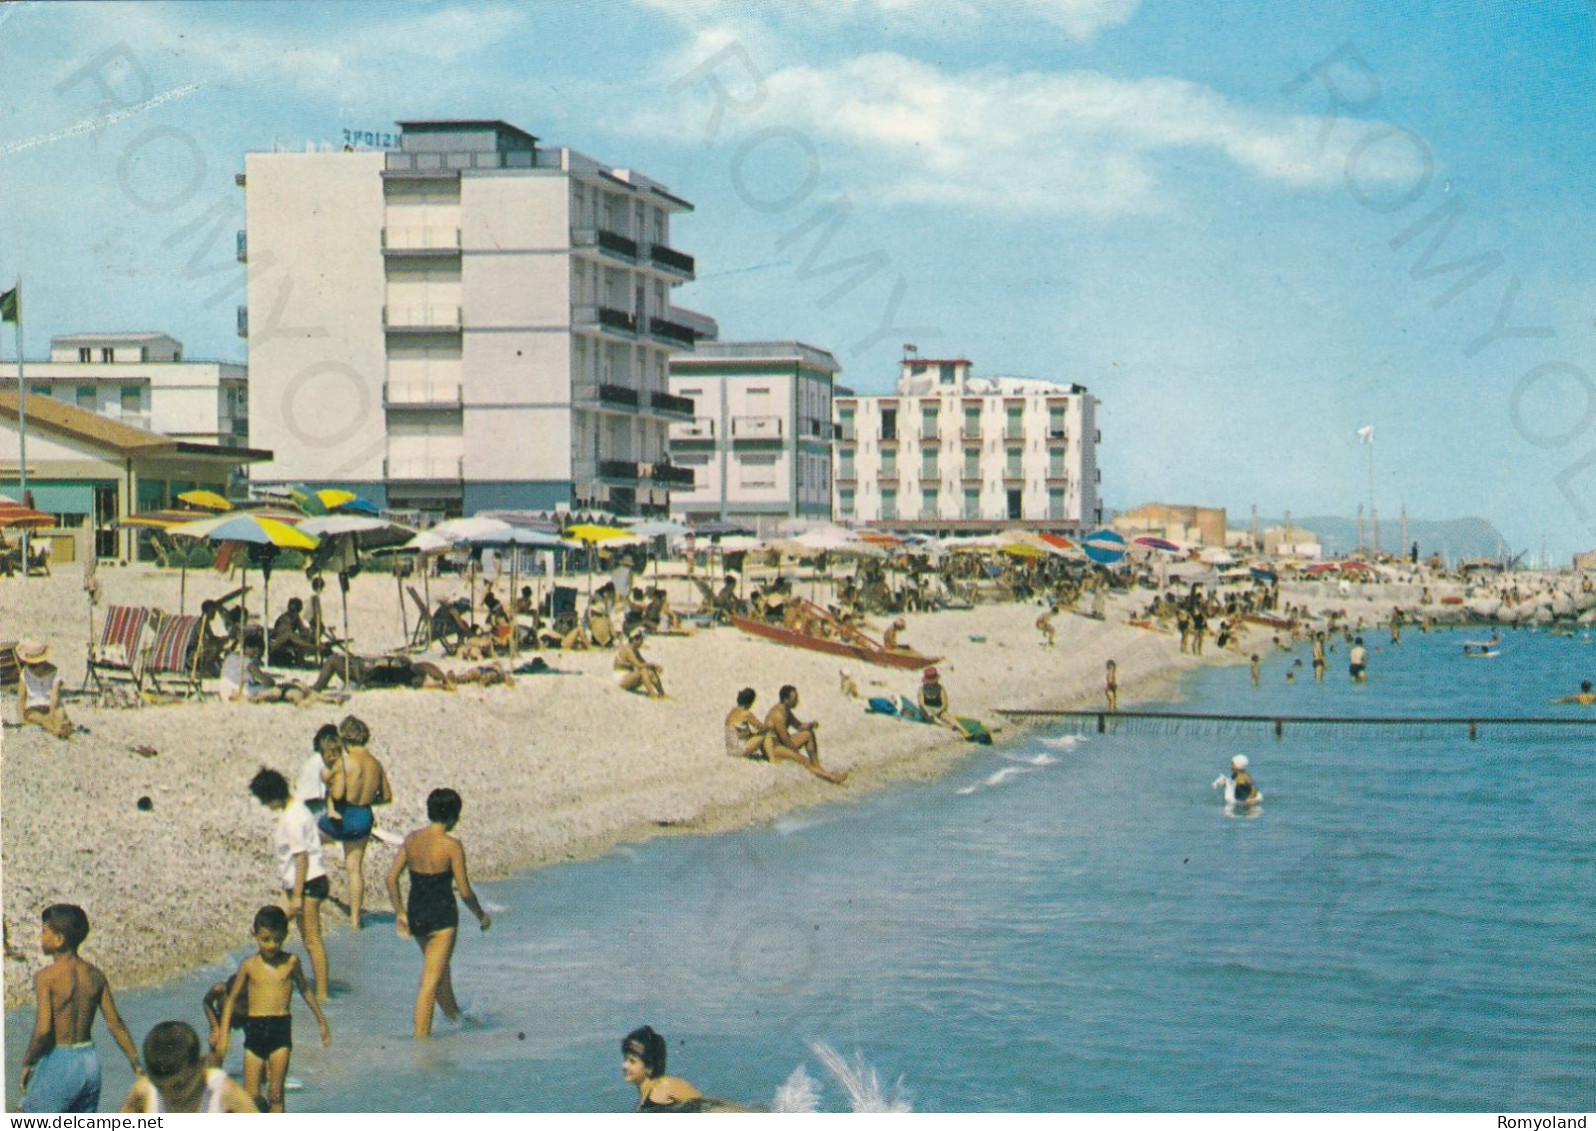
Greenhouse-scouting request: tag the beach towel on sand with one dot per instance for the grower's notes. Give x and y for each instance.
(908, 710)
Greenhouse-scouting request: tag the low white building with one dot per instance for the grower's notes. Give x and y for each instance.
(953, 452)
(142, 380)
(759, 443)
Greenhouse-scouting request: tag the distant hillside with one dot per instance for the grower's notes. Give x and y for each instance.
(1454, 538)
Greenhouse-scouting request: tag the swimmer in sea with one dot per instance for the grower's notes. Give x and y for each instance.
(643, 1055)
(1585, 698)
(1239, 788)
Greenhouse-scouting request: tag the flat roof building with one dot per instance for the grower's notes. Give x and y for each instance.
(472, 321)
(759, 443)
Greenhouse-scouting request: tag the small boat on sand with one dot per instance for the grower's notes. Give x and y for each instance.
(844, 640)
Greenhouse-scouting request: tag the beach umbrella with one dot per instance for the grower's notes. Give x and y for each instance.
(1022, 550)
(1216, 555)
(719, 529)
(1318, 569)
(658, 528)
(1356, 567)
(205, 500)
(18, 517)
(1105, 547)
(357, 533)
(251, 530)
(1259, 573)
(1153, 543)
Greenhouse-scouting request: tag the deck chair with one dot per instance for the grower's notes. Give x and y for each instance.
(39, 560)
(450, 626)
(117, 653)
(10, 670)
(562, 602)
(175, 654)
(421, 635)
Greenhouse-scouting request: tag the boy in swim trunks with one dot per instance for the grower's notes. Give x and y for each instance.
(270, 979)
(296, 842)
(61, 1070)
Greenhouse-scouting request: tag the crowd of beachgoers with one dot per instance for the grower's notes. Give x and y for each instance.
(157, 806)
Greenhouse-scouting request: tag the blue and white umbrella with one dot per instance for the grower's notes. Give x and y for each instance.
(1105, 547)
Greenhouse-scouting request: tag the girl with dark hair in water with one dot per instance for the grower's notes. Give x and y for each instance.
(643, 1054)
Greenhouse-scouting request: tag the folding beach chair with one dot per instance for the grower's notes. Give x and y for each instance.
(421, 635)
(10, 670)
(175, 654)
(117, 652)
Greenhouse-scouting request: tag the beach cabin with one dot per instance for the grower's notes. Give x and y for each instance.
(90, 471)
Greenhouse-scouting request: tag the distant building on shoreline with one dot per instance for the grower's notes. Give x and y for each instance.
(952, 452)
(143, 381)
(1183, 525)
(472, 321)
(759, 442)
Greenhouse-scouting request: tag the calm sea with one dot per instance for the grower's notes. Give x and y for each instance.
(1066, 924)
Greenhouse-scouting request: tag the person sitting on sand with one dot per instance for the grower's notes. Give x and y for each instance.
(745, 734)
(60, 1067)
(179, 1080)
(633, 673)
(790, 740)
(357, 782)
(1585, 698)
(39, 691)
(244, 680)
(436, 862)
(849, 687)
(935, 703)
(293, 644)
(889, 638)
(643, 1058)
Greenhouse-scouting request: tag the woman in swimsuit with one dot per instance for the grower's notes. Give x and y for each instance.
(437, 866)
(643, 1064)
(745, 733)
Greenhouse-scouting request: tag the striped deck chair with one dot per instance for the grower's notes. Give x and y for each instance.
(10, 670)
(117, 653)
(175, 653)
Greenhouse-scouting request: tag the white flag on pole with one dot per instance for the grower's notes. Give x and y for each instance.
(1366, 434)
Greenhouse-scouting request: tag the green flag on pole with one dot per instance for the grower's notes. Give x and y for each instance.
(8, 304)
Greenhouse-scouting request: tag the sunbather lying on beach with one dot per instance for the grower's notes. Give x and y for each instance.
(367, 672)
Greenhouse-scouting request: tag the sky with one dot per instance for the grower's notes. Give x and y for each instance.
(1249, 230)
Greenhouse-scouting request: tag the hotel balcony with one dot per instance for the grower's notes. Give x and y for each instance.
(420, 241)
(605, 242)
(421, 319)
(588, 316)
(701, 428)
(424, 469)
(421, 395)
(614, 471)
(674, 333)
(668, 404)
(756, 428)
(671, 477)
(1057, 437)
(619, 397)
(669, 259)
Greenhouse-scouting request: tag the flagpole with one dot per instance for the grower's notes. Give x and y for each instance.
(22, 430)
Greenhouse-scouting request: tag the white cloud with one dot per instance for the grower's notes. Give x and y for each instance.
(1074, 142)
(1078, 19)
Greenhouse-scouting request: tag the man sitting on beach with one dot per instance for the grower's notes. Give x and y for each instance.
(634, 673)
(293, 645)
(39, 691)
(790, 740)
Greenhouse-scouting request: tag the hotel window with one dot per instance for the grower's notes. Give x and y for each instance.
(1012, 468)
(889, 504)
(889, 463)
(131, 400)
(972, 465)
(1015, 428)
(889, 424)
(972, 502)
(845, 463)
(1055, 502)
(946, 372)
(928, 463)
(758, 471)
(1055, 465)
(972, 423)
(928, 503)
(928, 424)
(39, 391)
(1055, 423)
(107, 354)
(845, 424)
(85, 353)
(85, 395)
(845, 502)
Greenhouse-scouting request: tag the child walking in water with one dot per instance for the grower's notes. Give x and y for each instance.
(60, 1069)
(1111, 685)
(269, 978)
(437, 866)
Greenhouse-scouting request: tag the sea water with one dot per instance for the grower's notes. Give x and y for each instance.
(1066, 923)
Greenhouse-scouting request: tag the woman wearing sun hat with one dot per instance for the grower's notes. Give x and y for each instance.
(39, 690)
(936, 705)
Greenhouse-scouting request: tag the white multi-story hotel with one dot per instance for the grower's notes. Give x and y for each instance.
(952, 452)
(759, 443)
(143, 381)
(471, 321)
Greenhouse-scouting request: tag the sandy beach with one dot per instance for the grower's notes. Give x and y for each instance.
(559, 767)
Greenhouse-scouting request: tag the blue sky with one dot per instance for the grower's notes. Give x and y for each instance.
(1135, 196)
